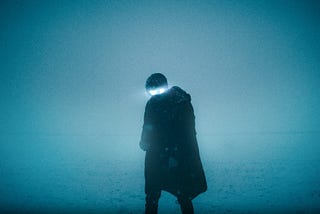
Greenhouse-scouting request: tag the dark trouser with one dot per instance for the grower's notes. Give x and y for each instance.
(152, 199)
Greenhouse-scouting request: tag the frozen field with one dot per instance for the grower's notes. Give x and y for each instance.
(256, 173)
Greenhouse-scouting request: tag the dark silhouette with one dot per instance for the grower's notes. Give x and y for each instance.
(172, 161)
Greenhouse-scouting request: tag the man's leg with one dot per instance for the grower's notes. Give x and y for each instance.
(186, 205)
(152, 199)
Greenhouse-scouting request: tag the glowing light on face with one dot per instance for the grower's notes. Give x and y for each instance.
(157, 91)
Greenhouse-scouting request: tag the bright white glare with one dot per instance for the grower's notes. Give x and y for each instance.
(157, 91)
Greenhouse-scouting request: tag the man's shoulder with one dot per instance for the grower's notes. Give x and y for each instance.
(180, 95)
(177, 89)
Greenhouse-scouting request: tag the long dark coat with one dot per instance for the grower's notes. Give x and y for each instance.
(172, 161)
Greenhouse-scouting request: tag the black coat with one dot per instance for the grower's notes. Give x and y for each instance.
(172, 161)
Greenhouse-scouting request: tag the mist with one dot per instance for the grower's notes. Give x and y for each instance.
(73, 98)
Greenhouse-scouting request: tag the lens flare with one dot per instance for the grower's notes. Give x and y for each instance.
(157, 91)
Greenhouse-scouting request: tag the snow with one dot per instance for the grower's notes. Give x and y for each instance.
(246, 173)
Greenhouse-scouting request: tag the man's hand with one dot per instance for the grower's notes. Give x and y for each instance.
(144, 146)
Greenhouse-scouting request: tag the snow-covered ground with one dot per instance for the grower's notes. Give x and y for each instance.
(246, 173)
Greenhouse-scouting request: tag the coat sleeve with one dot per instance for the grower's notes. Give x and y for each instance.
(146, 129)
(187, 120)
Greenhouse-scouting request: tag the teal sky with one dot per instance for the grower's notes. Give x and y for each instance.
(79, 67)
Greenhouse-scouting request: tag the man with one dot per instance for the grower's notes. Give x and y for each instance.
(172, 161)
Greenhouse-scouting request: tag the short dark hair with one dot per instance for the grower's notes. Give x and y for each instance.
(156, 80)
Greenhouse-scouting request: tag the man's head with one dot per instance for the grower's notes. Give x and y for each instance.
(156, 84)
